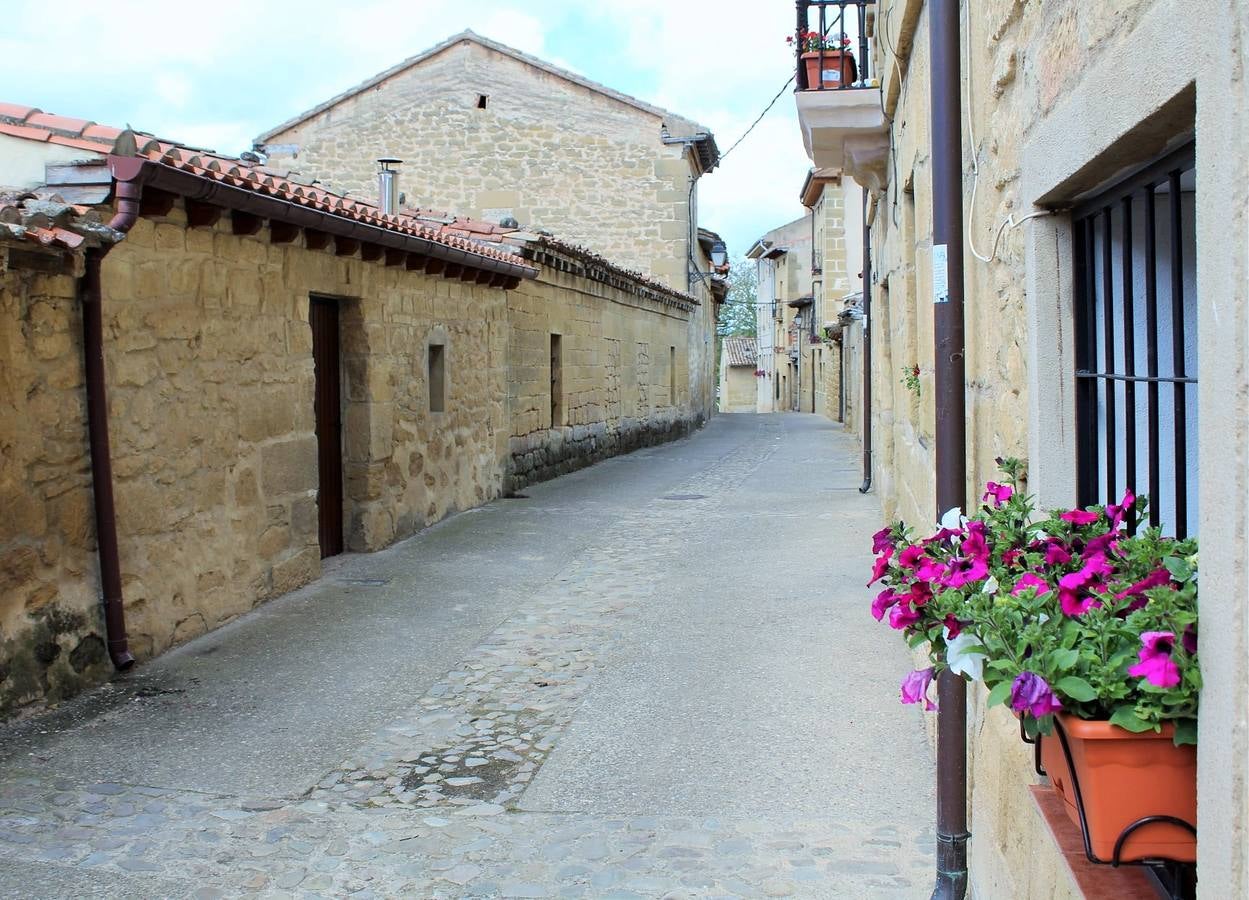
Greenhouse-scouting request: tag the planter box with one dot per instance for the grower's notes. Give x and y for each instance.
(838, 71)
(1125, 777)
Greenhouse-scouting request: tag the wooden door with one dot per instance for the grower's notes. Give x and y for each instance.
(323, 316)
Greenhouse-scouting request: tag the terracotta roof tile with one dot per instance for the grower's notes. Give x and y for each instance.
(59, 123)
(44, 218)
(16, 111)
(21, 131)
(741, 351)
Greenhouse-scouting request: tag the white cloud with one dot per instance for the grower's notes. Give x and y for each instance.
(218, 80)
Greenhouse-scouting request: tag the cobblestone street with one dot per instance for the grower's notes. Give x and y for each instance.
(656, 677)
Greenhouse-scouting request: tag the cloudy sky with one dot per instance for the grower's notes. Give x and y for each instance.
(217, 74)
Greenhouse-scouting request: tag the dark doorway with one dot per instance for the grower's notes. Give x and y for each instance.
(557, 383)
(327, 403)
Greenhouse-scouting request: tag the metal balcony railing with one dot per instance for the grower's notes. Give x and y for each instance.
(831, 43)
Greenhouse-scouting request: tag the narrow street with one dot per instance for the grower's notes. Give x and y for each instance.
(656, 677)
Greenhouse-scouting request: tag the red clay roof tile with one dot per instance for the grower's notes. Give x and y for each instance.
(21, 131)
(16, 110)
(60, 123)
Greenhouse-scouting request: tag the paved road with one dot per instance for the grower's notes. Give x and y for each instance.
(653, 678)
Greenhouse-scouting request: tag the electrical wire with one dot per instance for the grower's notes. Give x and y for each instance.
(1010, 222)
(759, 119)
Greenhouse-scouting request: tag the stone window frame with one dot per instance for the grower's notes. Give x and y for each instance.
(1127, 109)
(437, 337)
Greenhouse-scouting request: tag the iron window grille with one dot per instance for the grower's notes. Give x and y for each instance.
(1136, 350)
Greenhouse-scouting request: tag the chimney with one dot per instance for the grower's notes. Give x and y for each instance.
(388, 185)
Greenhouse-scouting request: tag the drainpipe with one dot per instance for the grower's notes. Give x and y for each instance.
(867, 352)
(951, 451)
(97, 429)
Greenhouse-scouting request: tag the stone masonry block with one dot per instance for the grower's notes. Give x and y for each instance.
(289, 467)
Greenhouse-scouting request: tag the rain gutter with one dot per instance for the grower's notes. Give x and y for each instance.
(951, 420)
(867, 352)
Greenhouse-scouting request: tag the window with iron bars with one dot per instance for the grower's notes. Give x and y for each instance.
(1136, 342)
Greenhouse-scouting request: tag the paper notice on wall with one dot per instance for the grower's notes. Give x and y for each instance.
(940, 274)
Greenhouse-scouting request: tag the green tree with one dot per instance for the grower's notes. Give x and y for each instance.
(737, 314)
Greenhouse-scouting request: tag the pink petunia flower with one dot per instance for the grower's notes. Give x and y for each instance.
(1056, 554)
(910, 556)
(1079, 517)
(1031, 580)
(930, 570)
(1156, 665)
(1188, 640)
(903, 615)
(952, 625)
(964, 570)
(884, 600)
(881, 566)
(882, 540)
(999, 492)
(976, 544)
(1118, 511)
(915, 688)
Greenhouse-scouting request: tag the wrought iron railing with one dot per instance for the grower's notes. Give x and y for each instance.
(831, 44)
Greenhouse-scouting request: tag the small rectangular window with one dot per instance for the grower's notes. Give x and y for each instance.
(481, 100)
(437, 378)
(672, 376)
(557, 383)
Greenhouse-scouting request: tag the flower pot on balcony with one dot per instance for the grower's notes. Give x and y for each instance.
(839, 69)
(1123, 778)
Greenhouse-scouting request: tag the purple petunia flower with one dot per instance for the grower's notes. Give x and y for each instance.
(884, 600)
(915, 688)
(1030, 580)
(881, 540)
(1031, 693)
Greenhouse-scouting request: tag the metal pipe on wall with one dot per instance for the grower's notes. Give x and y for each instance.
(950, 396)
(867, 352)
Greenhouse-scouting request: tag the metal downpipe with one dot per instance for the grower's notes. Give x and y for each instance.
(867, 352)
(97, 431)
(951, 437)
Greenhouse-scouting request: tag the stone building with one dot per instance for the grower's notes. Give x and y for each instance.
(1071, 129)
(738, 367)
(783, 258)
(274, 373)
(506, 136)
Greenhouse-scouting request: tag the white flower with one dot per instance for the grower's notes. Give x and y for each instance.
(990, 586)
(953, 519)
(964, 655)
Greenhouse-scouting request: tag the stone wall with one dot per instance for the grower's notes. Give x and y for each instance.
(210, 375)
(621, 355)
(51, 637)
(547, 151)
(1050, 126)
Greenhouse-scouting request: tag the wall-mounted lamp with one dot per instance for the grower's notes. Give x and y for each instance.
(719, 254)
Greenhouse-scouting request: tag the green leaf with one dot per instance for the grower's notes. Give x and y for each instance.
(1076, 688)
(1178, 567)
(1062, 660)
(1185, 732)
(1000, 693)
(1127, 719)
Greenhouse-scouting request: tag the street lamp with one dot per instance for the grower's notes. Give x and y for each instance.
(719, 254)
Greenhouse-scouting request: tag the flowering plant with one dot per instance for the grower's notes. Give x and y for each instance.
(812, 42)
(1067, 613)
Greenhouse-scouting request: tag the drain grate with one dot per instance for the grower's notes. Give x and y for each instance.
(683, 497)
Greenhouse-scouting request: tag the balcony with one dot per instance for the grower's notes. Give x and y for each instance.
(838, 95)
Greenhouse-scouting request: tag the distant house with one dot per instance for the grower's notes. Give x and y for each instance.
(501, 135)
(738, 363)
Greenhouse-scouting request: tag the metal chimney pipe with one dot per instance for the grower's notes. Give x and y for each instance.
(388, 185)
